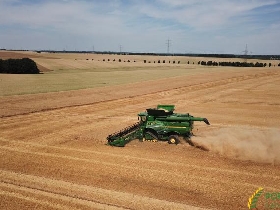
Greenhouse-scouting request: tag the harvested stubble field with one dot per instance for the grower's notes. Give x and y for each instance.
(54, 125)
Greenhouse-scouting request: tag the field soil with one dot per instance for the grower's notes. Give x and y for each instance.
(53, 152)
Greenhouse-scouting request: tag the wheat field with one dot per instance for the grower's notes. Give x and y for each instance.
(53, 129)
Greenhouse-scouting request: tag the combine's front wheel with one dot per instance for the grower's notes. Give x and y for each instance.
(173, 139)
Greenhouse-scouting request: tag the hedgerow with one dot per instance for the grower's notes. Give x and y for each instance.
(18, 66)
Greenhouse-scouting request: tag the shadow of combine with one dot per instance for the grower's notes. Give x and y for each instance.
(196, 145)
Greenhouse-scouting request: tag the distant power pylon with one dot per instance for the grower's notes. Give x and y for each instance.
(246, 51)
(120, 48)
(168, 43)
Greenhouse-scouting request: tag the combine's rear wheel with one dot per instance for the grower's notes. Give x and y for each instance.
(173, 139)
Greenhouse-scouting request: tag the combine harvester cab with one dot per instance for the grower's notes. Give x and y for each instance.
(155, 124)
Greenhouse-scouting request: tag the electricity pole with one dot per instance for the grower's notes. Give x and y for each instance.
(246, 51)
(120, 48)
(168, 43)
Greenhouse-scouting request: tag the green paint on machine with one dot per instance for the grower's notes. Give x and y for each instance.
(160, 123)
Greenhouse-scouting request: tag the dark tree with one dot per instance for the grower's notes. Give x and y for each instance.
(18, 66)
(203, 63)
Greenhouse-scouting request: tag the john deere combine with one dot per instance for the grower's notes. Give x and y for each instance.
(159, 123)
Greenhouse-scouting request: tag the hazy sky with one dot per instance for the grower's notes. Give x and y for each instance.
(193, 26)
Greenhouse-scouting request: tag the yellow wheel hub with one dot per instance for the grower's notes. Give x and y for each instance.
(173, 141)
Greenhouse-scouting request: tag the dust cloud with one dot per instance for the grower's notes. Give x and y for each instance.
(243, 143)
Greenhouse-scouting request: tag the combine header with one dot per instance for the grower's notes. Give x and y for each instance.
(157, 124)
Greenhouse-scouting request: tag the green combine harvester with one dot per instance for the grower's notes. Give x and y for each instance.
(157, 124)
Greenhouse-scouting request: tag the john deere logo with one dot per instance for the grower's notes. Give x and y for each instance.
(253, 200)
(271, 200)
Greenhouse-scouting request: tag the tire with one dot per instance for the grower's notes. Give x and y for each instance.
(173, 139)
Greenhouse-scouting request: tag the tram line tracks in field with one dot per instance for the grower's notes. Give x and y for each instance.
(189, 88)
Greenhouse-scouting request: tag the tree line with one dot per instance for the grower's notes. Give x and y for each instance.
(236, 64)
(18, 66)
